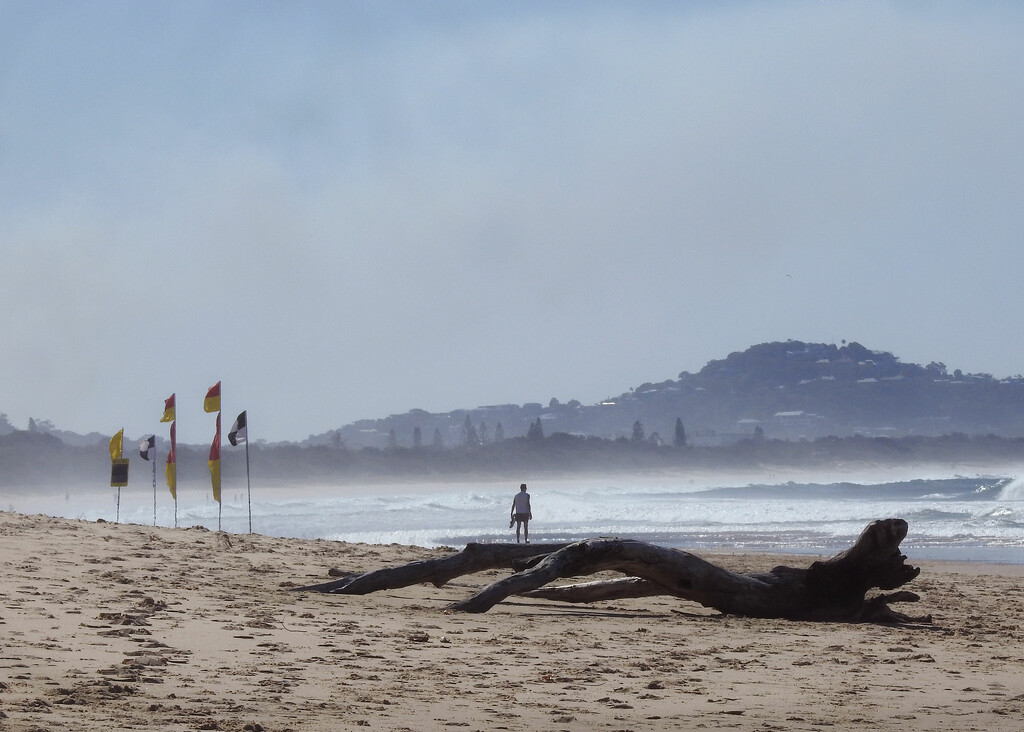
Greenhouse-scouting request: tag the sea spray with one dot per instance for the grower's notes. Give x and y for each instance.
(1013, 490)
(961, 517)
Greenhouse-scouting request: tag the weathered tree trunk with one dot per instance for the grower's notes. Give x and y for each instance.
(834, 589)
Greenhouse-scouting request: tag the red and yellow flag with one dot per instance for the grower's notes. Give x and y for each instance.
(168, 409)
(169, 471)
(212, 401)
(214, 461)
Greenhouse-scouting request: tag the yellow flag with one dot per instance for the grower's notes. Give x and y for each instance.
(215, 478)
(115, 445)
(171, 479)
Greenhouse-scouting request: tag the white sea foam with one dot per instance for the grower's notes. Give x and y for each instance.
(950, 517)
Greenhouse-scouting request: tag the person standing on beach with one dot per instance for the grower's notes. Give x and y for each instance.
(521, 513)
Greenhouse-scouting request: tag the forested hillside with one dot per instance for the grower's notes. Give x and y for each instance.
(784, 390)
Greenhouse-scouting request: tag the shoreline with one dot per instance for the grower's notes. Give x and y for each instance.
(417, 514)
(109, 626)
(799, 558)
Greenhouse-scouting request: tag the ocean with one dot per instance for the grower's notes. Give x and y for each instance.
(973, 518)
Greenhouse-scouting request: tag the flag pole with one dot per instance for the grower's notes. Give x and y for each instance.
(174, 450)
(213, 403)
(220, 487)
(174, 447)
(120, 454)
(220, 481)
(154, 484)
(248, 485)
(240, 432)
(171, 464)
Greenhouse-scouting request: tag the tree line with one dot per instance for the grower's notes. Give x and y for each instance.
(36, 460)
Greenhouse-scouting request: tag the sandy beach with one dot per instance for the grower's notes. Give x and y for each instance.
(112, 626)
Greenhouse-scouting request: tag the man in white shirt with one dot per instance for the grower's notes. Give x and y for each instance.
(521, 513)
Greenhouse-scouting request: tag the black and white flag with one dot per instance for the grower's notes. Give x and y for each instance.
(147, 447)
(238, 431)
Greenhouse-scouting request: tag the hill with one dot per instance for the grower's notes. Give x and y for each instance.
(775, 404)
(782, 390)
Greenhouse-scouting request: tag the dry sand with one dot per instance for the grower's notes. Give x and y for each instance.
(107, 626)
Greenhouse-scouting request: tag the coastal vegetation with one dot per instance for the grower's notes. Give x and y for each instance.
(40, 460)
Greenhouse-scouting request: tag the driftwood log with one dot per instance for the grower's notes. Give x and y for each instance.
(834, 589)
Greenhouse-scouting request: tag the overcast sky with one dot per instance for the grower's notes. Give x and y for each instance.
(347, 210)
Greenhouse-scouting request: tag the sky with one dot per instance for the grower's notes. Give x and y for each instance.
(346, 210)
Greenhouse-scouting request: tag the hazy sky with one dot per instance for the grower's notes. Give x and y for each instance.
(350, 209)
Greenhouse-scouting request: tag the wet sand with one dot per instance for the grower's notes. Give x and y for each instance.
(106, 626)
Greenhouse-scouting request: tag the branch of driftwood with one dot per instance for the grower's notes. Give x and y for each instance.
(834, 589)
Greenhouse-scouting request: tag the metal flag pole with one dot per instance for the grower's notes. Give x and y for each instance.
(171, 464)
(154, 483)
(174, 451)
(120, 453)
(220, 482)
(220, 476)
(220, 462)
(248, 485)
(174, 447)
(214, 461)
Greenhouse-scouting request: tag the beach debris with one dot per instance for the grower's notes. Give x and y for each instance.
(834, 589)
